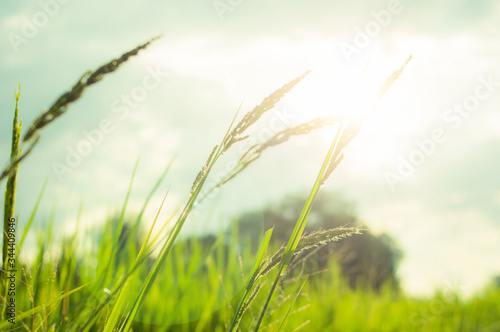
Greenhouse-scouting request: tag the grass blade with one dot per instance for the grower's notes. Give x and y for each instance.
(301, 223)
(250, 283)
(35, 310)
(291, 305)
(32, 216)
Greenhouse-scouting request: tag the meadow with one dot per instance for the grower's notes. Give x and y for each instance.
(124, 276)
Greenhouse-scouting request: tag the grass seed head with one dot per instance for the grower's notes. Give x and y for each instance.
(267, 104)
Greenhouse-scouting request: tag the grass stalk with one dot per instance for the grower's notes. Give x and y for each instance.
(233, 135)
(301, 223)
(343, 137)
(8, 248)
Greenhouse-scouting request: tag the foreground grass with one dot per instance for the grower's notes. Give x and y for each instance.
(201, 284)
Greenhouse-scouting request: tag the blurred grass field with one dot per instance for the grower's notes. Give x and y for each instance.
(198, 289)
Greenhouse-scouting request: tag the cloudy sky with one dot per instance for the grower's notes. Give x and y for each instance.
(423, 169)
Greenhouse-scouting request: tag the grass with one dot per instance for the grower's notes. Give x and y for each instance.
(200, 286)
(145, 280)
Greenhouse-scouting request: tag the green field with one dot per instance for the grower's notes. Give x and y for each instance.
(199, 287)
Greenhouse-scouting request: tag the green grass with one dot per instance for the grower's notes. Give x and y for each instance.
(132, 278)
(199, 287)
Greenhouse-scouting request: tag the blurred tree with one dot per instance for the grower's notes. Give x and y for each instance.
(366, 260)
(496, 281)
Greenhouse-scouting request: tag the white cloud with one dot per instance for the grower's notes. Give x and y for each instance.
(439, 247)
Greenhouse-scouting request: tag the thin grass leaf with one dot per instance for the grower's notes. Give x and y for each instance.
(240, 310)
(121, 302)
(291, 305)
(106, 268)
(123, 285)
(125, 203)
(164, 252)
(153, 190)
(32, 216)
(23, 315)
(300, 225)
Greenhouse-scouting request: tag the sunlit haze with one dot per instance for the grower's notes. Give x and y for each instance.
(420, 170)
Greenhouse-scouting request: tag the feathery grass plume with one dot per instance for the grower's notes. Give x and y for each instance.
(349, 132)
(203, 170)
(251, 117)
(255, 151)
(14, 164)
(10, 192)
(89, 78)
(312, 240)
(64, 101)
(392, 78)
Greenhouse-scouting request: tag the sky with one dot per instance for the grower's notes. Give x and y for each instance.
(423, 169)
